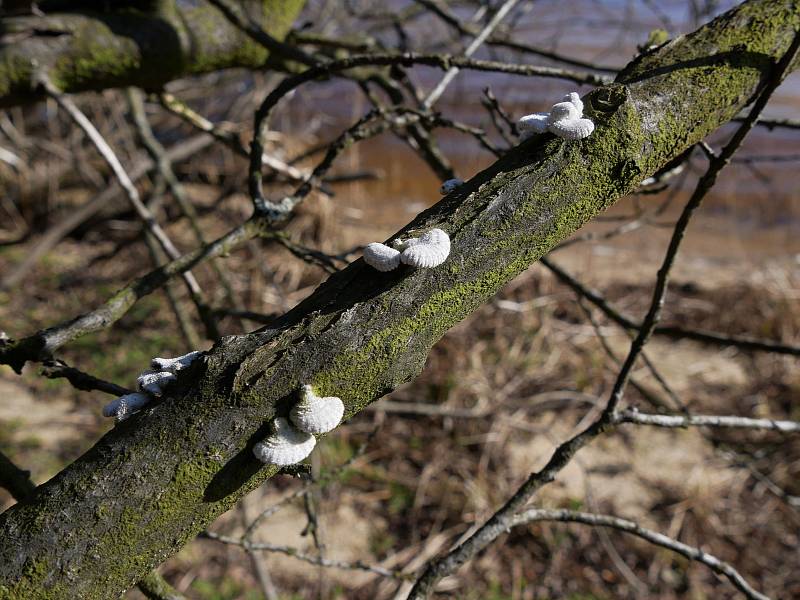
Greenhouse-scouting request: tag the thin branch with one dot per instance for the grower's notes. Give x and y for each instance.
(226, 136)
(125, 182)
(634, 416)
(659, 539)
(255, 32)
(55, 368)
(17, 481)
(502, 42)
(498, 113)
(443, 61)
(300, 555)
(774, 123)
(670, 331)
(81, 214)
(437, 91)
(40, 345)
(155, 587)
(176, 188)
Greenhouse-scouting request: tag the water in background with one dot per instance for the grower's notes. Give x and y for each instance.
(755, 202)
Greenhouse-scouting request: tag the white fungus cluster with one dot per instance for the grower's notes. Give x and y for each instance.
(429, 250)
(450, 185)
(151, 385)
(289, 443)
(565, 120)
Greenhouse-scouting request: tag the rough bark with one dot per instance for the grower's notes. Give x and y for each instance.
(88, 50)
(159, 478)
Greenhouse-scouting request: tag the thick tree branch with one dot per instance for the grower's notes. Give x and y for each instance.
(94, 51)
(162, 476)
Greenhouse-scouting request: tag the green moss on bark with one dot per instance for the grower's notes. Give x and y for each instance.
(95, 51)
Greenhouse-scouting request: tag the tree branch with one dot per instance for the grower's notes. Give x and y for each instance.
(99, 50)
(16, 481)
(175, 466)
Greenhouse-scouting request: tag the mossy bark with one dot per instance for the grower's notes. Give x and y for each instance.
(156, 480)
(87, 50)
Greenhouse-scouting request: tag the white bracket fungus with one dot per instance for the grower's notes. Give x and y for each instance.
(153, 382)
(565, 120)
(173, 365)
(450, 185)
(429, 250)
(314, 414)
(123, 407)
(530, 125)
(381, 257)
(285, 446)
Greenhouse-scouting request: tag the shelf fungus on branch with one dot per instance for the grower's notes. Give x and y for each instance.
(285, 445)
(450, 185)
(381, 257)
(151, 385)
(429, 250)
(123, 407)
(530, 125)
(173, 365)
(314, 414)
(565, 120)
(153, 382)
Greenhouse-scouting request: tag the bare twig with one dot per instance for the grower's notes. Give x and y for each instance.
(164, 167)
(659, 539)
(40, 345)
(670, 331)
(437, 92)
(133, 196)
(634, 416)
(503, 42)
(54, 369)
(15, 480)
(226, 136)
(57, 232)
(279, 211)
(300, 555)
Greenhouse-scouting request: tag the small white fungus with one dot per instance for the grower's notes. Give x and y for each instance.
(315, 414)
(381, 257)
(429, 250)
(123, 407)
(450, 185)
(565, 120)
(153, 382)
(285, 446)
(173, 365)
